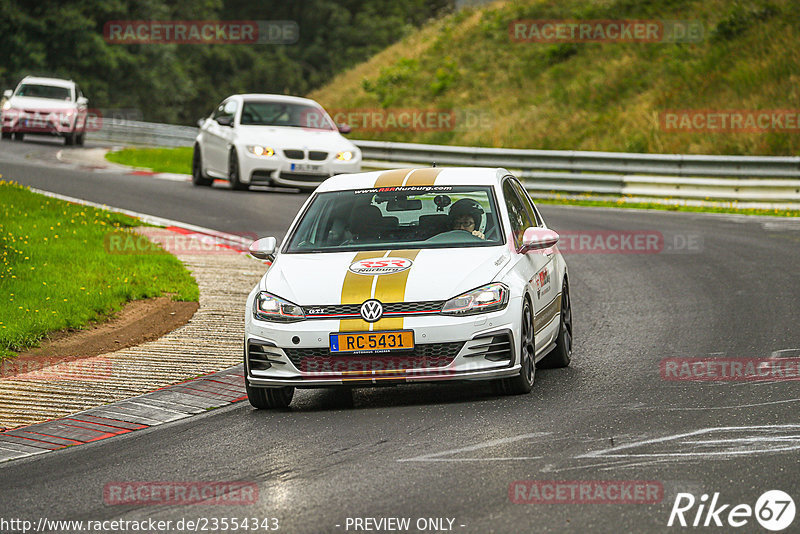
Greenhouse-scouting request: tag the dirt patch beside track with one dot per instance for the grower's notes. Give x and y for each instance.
(138, 322)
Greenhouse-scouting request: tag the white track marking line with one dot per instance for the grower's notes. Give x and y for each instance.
(435, 457)
(610, 453)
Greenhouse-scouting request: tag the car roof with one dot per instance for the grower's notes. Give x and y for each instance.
(489, 176)
(59, 82)
(277, 98)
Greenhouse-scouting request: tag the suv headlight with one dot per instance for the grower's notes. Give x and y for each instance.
(489, 298)
(263, 151)
(268, 307)
(347, 155)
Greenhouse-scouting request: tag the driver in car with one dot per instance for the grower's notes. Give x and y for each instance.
(466, 214)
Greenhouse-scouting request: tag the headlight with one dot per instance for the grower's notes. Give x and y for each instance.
(485, 299)
(268, 307)
(6, 105)
(259, 150)
(344, 156)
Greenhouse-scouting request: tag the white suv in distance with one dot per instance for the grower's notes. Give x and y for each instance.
(48, 106)
(260, 139)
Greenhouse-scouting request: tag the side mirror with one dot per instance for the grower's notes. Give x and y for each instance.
(225, 120)
(264, 248)
(7, 93)
(537, 239)
(82, 101)
(344, 128)
(200, 122)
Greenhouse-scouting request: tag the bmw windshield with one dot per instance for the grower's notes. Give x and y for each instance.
(398, 217)
(274, 113)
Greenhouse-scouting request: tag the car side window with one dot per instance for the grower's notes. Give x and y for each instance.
(516, 213)
(533, 215)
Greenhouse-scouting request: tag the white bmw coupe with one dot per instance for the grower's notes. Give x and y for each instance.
(282, 140)
(408, 275)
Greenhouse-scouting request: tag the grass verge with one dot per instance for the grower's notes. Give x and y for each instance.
(56, 273)
(174, 160)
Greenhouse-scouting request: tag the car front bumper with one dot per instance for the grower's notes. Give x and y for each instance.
(40, 123)
(302, 173)
(478, 347)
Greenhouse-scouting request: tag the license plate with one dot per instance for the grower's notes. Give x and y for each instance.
(306, 167)
(357, 342)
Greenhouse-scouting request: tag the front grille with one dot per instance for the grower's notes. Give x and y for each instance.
(430, 307)
(294, 154)
(316, 155)
(495, 349)
(300, 177)
(423, 356)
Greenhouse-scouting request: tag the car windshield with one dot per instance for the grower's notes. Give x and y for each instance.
(398, 217)
(44, 91)
(270, 113)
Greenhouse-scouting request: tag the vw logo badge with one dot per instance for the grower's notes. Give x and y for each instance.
(371, 310)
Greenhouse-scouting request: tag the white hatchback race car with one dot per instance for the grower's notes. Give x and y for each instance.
(408, 275)
(271, 140)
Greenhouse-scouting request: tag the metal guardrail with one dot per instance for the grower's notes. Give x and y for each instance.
(740, 178)
(143, 133)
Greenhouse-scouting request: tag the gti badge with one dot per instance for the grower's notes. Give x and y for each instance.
(371, 310)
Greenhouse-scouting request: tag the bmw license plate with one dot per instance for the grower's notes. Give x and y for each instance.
(306, 167)
(357, 342)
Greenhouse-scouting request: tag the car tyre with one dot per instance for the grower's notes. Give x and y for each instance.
(523, 382)
(198, 178)
(19, 136)
(268, 398)
(561, 355)
(6, 135)
(233, 172)
(69, 139)
(79, 138)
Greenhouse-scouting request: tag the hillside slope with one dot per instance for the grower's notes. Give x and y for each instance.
(587, 96)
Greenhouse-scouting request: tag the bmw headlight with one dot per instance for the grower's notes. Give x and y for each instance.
(489, 298)
(344, 156)
(268, 307)
(263, 151)
(6, 105)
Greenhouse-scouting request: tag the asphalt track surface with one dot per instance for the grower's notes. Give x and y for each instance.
(452, 451)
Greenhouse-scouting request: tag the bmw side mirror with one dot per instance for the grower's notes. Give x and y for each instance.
(7, 93)
(536, 238)
(225, 121)
(264, 248)
(200, 122)
(82, 101)
(344, 128)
